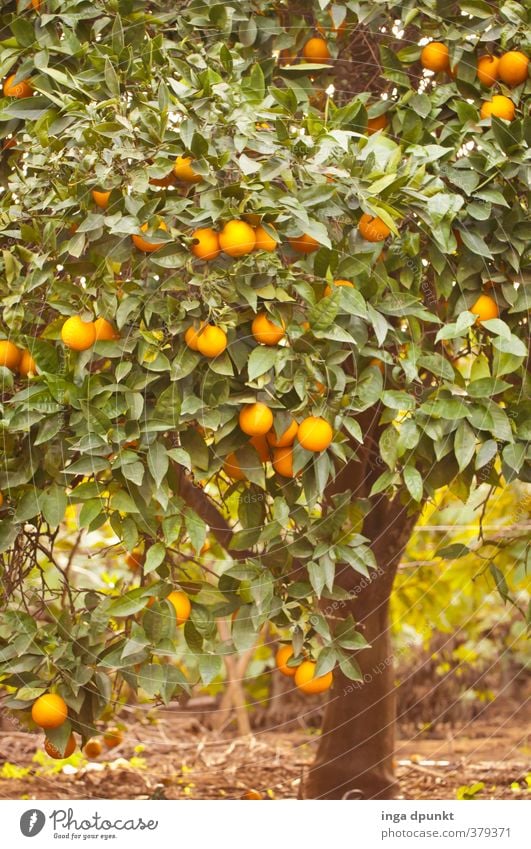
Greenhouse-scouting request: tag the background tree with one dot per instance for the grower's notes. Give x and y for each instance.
(187, 174)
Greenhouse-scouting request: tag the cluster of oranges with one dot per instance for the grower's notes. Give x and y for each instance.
(79, 335)
(16, 359)
(511, 68)
(303, 673)
(314, 434)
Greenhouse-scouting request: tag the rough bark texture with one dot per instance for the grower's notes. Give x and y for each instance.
(356, 747)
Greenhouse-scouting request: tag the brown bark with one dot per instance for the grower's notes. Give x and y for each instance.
(356, 747)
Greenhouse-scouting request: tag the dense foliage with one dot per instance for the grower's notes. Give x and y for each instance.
(141, 430)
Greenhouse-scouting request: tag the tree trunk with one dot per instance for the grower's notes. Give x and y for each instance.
(356, 747)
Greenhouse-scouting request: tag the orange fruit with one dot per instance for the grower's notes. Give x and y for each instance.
(435, 57)
(183, 170)
(1, 499)
(500, 106)
(485, 308)
(77, 334)
(181, 604)
(304, 244)
(21, 89)
(372, 228)
(237, 238)
(205, 547)
(232, 468)
(190, 337)
(261, 445)
(10, 355)
(281, 658)
(211, 341)
(283, 461)
(135, 560)
(27, 364)
(104, 330)
(92, 748)
(36, 4)
(329, 289)
(316, 50)
(286, 438)
(101, 199)
(375, 124)
(263, 241)
(113, 737)
(54, 752)
(253, 795)
(305, 679)
(487, 69)
(315, 434)
(377, 364)
(143, 244)
(169, 180)
(206, 243)
(255, 419)
(513, 67)
(49, 711)
(265, 331)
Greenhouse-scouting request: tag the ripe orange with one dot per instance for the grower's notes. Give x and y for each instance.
(183, 170)
(1, 499)
(305, 680)
(255, 419)
(104, 330)
(182, 605)
(206, 244)
(54, 752)
(113, 737)
(211, 341)
(27, 364)
(286, 438)
(263, 241)
(101, 199)
(316, 50)
(36, 4)
(265, 331)
(49, 711)
(77, 334)
(143, 244)
(190, 337)
(372, 228)
(329, 289)
(513, 68)
(283, 461)
(237, 238)
(232, 468)
(304, 244)
(21, 89)
(485, 308)
(375, 124)
(135, 559)
(10, 355)
(253, 795)
(377, 364)
(435, 57)
(315, 434)
(487, 69)
(261, 446)
(92, 748)
(169, 180)
(500, 106)
(281, 658)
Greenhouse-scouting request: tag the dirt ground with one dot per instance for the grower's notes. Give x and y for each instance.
(173, 756)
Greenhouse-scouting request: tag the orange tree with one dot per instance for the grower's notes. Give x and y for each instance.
(197, 177)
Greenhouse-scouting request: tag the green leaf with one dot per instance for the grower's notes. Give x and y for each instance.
(261, 359)
(453, 552)
(464, 444)
(154, 557)
(413, 482)
(158, 462)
